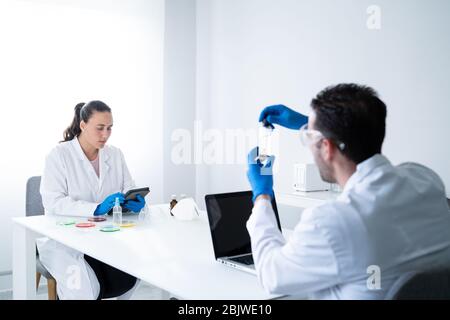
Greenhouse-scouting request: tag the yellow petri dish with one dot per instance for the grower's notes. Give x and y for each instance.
(128, 224)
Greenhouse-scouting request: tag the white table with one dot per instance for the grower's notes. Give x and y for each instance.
(176, 256)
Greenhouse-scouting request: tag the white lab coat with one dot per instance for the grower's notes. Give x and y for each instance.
(70, 187)
(394, 218)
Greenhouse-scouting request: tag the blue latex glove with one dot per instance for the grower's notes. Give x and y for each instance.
(135, 206)
(259, 176)
(108, 203)
(283, 116)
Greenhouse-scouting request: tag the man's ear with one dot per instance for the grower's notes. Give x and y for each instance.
(328, 150)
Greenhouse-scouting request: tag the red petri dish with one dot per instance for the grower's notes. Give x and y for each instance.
(85, 225)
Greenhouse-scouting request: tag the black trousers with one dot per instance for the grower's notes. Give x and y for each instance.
(113, 282)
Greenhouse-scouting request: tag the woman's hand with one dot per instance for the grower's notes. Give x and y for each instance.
(108, 203)
(135, 206)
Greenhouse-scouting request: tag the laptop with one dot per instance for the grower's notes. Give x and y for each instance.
(227, 215)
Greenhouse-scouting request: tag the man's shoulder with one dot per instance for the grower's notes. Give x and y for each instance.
(415, 167)
(419, 173)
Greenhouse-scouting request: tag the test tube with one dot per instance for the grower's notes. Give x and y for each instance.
(265, 134)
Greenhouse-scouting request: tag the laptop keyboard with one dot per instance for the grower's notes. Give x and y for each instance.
(247, 260)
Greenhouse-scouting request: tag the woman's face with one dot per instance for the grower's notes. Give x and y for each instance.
(98, 129)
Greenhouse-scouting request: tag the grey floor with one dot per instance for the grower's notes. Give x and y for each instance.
(143, 292)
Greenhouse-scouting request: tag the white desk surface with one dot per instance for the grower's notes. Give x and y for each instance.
(176, 256)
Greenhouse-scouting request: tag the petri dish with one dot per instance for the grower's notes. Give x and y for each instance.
(66, 222)
(110, 228)
(127, 224)
(85, 225)
(97, 219)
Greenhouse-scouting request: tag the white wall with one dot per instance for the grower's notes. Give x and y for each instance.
(265, 52)
(179, 92)
(203, 92)
(55, 54)
(247, 54)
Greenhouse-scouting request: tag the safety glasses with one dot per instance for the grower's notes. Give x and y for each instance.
(309, 137)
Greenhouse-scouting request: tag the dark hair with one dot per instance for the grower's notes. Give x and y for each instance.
(83, 112)
(354, 115)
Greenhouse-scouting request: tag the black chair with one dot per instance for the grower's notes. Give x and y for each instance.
(34, 207)
(424, 285)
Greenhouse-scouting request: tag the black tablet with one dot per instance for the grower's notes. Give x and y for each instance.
(131, 194)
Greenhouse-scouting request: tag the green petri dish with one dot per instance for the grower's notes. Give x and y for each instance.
(110, 229)
(66, 222)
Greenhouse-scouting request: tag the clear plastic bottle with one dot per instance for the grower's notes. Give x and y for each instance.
(144, 214)
(117, 213)
(265, 134)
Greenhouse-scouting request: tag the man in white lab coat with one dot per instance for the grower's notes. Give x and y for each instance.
(389, 220)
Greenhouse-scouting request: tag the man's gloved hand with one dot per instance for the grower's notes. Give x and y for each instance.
(260, 176)
(283, 116)
(135, 206)
(108, 203)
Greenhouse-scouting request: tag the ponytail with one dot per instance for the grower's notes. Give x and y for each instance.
(74, 129)
(83, 111)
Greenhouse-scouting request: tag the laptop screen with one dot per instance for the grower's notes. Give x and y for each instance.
(228, 214)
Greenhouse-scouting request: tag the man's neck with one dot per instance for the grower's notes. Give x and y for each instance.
(344, 172)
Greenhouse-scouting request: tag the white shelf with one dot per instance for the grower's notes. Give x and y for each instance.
(305, 199)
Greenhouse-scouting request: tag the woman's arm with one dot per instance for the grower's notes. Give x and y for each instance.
(54, 190)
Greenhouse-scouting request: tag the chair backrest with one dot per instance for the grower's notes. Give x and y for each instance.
(433, 284)
(33, 199)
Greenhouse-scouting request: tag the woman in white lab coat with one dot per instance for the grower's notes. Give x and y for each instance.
(83, 176)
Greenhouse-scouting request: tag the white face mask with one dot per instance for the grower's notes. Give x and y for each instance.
(185, 209)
